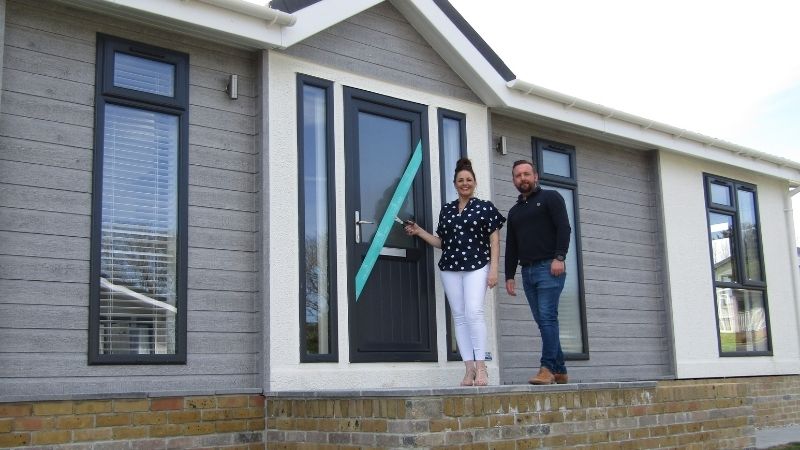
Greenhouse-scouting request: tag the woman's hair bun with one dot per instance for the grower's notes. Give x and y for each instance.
(463, 164)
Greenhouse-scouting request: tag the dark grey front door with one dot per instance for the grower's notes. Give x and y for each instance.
(394, 318)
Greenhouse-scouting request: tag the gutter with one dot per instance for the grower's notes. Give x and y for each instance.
(647, 124)
(272, 16)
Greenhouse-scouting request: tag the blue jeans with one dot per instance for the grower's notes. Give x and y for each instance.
(542, 290)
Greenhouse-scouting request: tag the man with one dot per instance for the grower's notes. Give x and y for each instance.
(538, 239)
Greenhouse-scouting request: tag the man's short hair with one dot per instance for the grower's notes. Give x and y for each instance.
(523, 161)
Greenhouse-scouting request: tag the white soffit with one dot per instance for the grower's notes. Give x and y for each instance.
(236, 22)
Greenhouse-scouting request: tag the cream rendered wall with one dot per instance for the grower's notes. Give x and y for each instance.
(690, 274)
(286, 371)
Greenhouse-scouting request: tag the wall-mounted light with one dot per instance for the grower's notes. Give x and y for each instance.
(233, 87)
(501, 146)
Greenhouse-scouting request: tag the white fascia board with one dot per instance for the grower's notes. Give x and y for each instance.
(605, 121)
(457, 51)
(196, 15)
(321, 15)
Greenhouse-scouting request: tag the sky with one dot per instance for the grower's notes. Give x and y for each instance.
(726, 69)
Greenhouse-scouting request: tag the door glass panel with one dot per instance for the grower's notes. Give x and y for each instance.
(722, 246)
(742, 320)
(750, 235)
(386, 148)
(569, 306)
(556, 163)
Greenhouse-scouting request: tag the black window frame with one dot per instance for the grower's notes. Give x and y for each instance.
(107, 93)
(732, 210)
(327, 86)
(441, 114)
(571, 183)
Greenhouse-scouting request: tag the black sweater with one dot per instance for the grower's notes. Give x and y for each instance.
(538, 228)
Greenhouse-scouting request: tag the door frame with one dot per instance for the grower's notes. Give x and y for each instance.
(351, 98)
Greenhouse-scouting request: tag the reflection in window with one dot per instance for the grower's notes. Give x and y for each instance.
(740, 287)
(316, 248)
(742, 320)
(556, 163)
(721, 231)
(145, 75)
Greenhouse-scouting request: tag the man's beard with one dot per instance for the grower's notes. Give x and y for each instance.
(526, 188)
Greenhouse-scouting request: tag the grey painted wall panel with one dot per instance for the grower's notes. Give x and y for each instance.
(46, 143)
(380, 43)
(622, 269)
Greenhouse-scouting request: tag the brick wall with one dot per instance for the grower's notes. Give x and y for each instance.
(690, 414)
(217, 421)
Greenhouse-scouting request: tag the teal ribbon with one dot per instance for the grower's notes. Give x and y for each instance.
(385, 226)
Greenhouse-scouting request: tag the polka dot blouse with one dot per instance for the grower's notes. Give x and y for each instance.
(465, 235)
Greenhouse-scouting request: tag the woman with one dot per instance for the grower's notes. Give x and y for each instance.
(468, 234)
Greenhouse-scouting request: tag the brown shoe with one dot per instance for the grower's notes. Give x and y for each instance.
(561, 378)
(469, 373)
(543, 377)
(481, 375)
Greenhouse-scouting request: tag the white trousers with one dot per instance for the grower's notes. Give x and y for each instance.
(465, 292)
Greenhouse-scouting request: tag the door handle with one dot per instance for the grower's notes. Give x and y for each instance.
(360, 222)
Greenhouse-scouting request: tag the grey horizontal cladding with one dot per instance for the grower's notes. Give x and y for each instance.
(74, 365)
(221, 219)
(222, 159)
(623, 302)
(43, 269)
(48, 87)
(218, 119)
(624, 262)
(387, 48)
(27, 151)
(626, 330)
(42, 130)
(587, 201)
(626, 358)
(222, 322)
(532, 343)
(215, 301)
(222, 280)
(601, 273)
(595, 190)
(222, 343)
(598, 165)
(44, 246)
(222, 198)
(49, 177)
(44, 222)
(113, 384)
(609, 247)
(54, 293)
(222, 179)
(612, 219)
(201, 258)
(44, 317)
(626, 289)
(617, 234)
(214, 238)
(625, 316)
(30, 340)
(216, 99)
(50, 65)
(49, 43)
(220, 139)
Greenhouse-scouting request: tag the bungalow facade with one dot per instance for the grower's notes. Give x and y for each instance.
(198, 197)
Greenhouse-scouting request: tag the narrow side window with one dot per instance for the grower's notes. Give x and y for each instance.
(139, 208)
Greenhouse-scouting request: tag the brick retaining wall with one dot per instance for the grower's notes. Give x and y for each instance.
(686, 414)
